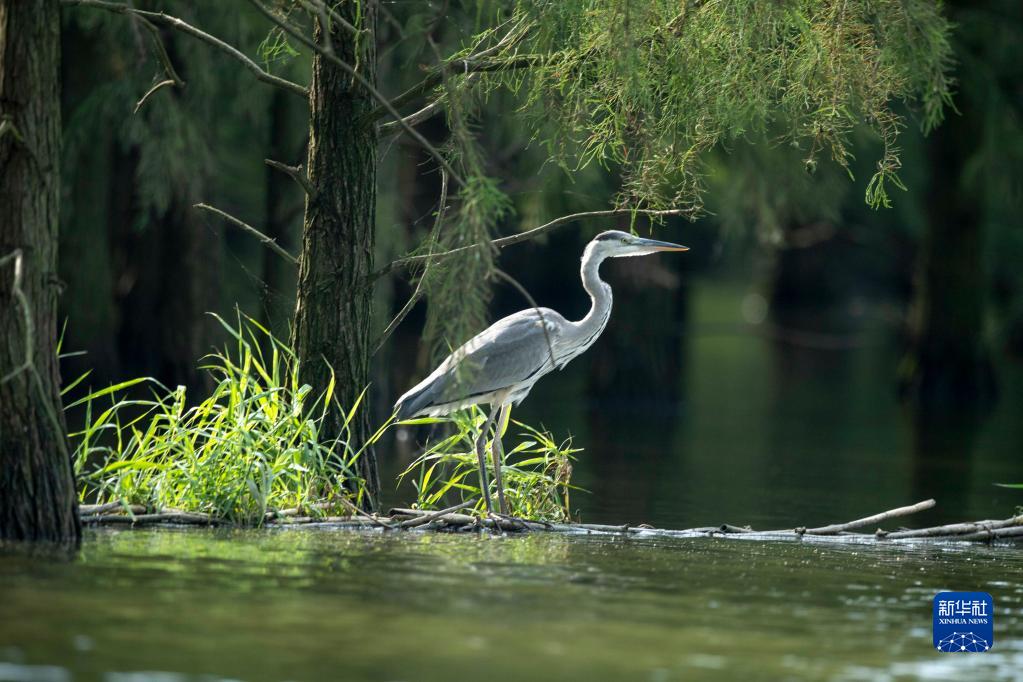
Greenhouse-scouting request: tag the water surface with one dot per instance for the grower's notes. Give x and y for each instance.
(173, 606)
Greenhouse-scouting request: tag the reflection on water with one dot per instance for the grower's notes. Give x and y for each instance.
(324, 605)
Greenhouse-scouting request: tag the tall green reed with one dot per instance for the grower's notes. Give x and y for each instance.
(537, 471)
(252, 446)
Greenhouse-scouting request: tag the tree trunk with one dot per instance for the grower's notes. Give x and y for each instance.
(37, 491)
(332, 316)
(948, 366)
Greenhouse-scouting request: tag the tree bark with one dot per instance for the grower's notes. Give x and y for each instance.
(37, 491)
(332, 316)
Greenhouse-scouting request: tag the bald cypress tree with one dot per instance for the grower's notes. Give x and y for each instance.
(37, 492)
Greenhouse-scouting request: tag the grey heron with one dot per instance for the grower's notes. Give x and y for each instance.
(500, 365)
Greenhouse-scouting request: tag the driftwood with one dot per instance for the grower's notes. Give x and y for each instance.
(456, 519)
(162, 516)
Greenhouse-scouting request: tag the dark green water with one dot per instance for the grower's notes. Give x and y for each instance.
(326, 605)
(768, 434)
(776, 434)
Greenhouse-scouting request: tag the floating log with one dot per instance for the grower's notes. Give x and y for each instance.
(454, 518)
(176, 517)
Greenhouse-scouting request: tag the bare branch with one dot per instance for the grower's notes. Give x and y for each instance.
(162, 54)
(417, 294)
(459, 66)
(835, 529)
(150, 91)
(534, 233)
(295, 173)
(417, 117)
(269, 242)
(514, 35)
(184, 27)
(400, 317)
(361, 80)
(427, 518)
(951, 529)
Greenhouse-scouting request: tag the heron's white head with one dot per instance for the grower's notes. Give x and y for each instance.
(618, 244)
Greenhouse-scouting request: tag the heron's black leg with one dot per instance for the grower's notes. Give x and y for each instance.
(481, 444)
(497, 454)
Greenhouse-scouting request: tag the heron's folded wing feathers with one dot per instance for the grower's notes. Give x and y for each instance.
(509, 352)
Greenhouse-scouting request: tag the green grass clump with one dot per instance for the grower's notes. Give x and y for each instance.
(254, 445)
(537, 471)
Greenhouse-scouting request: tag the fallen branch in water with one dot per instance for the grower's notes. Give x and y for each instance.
(177, 517)
(455, 519)
(836, 528)
(427, 518)
(90, 509)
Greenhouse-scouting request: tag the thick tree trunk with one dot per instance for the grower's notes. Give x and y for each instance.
(948, 366)
(332, 316)
(37, 491)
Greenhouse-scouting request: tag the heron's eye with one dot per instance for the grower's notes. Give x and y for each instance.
(625, 240)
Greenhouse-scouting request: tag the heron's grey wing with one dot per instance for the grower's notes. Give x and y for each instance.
(512, 350)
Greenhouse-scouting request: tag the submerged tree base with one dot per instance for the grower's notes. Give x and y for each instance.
(454, 519)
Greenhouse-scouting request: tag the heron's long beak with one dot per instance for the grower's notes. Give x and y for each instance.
(661, 246)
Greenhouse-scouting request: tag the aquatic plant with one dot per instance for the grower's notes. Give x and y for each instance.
(537, 471)
(253, 445)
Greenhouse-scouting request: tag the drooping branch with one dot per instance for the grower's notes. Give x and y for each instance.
(150, 91)
(530, 234)
(185, 27)
(249, 229)
(417, 117)
(161, 53)
(358, 77)
(438, 223)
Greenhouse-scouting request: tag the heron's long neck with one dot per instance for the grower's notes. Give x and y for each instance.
(600, 294)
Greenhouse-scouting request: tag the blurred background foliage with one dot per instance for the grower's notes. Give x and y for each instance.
(924, 299)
